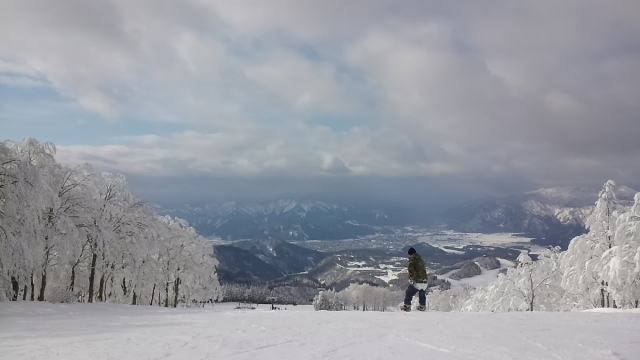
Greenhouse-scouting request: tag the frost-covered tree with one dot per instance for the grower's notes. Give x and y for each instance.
(73, 234)
(531, 285)
(358, 297)
(328, 300)
(28, 219)
(182, 257)
(448, 300)
(583, 261)
(621, 263)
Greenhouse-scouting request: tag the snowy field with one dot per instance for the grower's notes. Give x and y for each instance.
(457, 239)
(104, 331)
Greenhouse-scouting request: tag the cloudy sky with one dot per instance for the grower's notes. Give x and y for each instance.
(422, 102)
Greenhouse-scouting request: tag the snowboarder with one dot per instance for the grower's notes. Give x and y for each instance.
(417, 282)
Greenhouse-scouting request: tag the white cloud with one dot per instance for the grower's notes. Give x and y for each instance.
(300, 152)
(303, 83)
(419, 89)
(21, 81)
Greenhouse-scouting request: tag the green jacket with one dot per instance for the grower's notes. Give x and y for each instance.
(417, 271)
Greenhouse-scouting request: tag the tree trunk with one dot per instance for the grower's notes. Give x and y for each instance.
(176, 287)
(73, 278)
(601, 297)
(32, 288)
(159, 303)
(614, 304)
(608, 303)
(16, 288)
(43, 280)
(124, 286)
(166, 293)
(24, 294)
(92, 276)
(107, 294)
(43, 284)
(153, 294)
(101, 288)
(135, 298)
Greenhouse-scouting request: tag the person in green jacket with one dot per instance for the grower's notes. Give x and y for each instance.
(417, 282)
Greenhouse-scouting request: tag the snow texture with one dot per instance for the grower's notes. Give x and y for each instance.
(108, 331)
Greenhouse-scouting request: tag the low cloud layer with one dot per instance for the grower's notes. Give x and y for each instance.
(423, 100)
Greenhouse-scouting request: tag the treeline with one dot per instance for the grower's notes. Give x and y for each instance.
(599, 269)
(76, 235)
(359, 297)
(265, 294)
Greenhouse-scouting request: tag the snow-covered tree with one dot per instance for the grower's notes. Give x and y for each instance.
(449, 299)
(358, 297)
(583, 261)
(27, 217)
(621, 263)
(328, 300)
(531, 285)
(70, 234)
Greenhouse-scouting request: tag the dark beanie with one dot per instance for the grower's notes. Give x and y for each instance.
(412, 251)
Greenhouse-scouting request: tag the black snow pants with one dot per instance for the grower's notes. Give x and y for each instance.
(411, 292)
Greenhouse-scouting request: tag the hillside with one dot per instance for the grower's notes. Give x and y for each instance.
(239, 265)
(263, 260)
(43, 330)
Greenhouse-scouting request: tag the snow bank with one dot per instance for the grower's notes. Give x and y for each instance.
(106, 331)
(613, 311)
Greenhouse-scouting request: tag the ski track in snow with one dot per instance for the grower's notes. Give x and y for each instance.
(106, 331)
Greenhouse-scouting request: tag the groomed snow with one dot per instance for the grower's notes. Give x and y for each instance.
(105, 331)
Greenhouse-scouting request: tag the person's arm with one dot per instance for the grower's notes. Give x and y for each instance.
(426, 273)
(412, 267)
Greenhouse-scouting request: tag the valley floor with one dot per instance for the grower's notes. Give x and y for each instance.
(105, 331)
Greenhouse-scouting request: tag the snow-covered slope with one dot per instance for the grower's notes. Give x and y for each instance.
(566, 215)
(105, 331)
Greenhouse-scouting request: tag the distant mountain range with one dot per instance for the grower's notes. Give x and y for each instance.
(553, 216)
(286, 219)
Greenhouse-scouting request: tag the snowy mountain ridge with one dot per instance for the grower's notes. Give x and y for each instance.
(572, 205)
(277, 207)
(554, 215)
(576, 196)
(291, 219)
(566, 215)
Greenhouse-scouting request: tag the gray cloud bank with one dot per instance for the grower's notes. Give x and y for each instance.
(421, 100)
